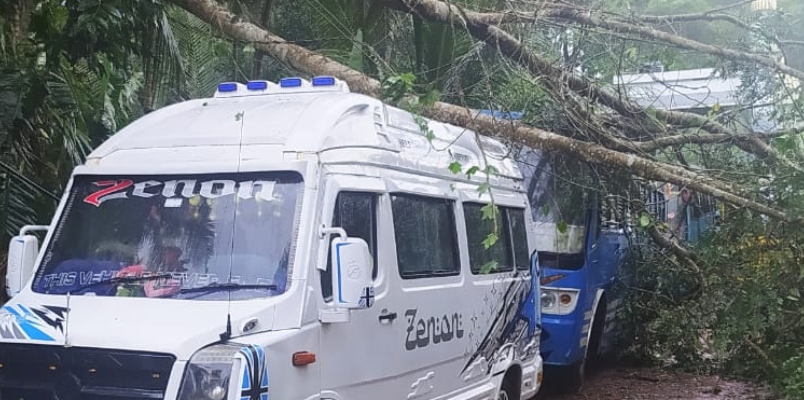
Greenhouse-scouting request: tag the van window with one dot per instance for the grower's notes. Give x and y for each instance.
(477, 230)
(426, 243)
(516, 220)
(356, 213)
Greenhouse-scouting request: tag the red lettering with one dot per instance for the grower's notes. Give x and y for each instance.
(110, 192)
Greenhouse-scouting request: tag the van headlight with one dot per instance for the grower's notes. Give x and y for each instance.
(559, 301)
(208, 373)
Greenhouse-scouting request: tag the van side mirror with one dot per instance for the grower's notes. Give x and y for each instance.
(22, 253)
(352, 286)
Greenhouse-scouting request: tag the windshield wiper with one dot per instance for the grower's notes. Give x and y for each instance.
(222, 287)
(122, 279)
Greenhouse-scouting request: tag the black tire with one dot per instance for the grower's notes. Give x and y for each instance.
(598, 325)
(571, 379)
(506, 392)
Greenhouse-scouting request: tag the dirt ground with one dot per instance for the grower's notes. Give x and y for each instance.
(643, 383)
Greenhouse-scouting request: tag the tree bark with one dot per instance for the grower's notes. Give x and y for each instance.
(315, 64)
(18, 16)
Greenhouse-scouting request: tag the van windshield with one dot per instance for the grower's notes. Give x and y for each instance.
(191, 230)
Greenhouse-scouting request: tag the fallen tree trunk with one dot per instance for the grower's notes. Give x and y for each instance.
(313, 63)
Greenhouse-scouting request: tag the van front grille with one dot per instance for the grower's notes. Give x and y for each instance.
(39, 372)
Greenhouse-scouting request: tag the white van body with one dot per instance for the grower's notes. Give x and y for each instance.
(429, 332)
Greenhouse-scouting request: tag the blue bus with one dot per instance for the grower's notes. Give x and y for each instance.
(583, 240)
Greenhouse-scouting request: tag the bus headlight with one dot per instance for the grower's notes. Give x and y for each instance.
(559, 301)
(548, 300)
(208, 373)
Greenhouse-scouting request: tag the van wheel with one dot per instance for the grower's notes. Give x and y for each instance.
(505, 392)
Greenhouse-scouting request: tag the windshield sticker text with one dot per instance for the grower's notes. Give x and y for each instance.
(182, 279)
(187, 188)
(423, 331)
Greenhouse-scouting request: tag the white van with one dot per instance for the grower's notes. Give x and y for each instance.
(288, 240)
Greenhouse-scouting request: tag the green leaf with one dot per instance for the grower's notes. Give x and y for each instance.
(545, 210)
(471, 171)
(562, 226)
(488, 211)
(430, 98)
(455, 167)
(490, 240)
(644, 220)
(239, 116)
(489, 267)
(483, 187)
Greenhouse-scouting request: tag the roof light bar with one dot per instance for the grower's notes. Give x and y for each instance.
(257, 85)
(226, 87)
(290, 82)
(323, 81)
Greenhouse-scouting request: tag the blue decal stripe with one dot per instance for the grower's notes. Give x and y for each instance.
(338, 261)
(256, 372)
(34, 333)
(12, 311)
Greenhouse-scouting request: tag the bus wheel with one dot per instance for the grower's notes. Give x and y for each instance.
(571, 378)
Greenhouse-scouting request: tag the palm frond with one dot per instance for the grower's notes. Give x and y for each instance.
(18, 195)
(201, 53)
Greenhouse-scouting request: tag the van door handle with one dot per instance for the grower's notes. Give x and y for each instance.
(387, 316)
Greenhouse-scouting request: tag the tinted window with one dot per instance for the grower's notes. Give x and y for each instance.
(355, 213)
(425, 236)
(478, 230)
(519, 238)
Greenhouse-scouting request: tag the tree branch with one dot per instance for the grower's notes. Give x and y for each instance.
(477, 24)
(313, 63)
(588, 18)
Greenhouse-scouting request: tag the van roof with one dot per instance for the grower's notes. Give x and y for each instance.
(238, 124)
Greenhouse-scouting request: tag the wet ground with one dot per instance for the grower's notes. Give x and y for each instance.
(644, 383)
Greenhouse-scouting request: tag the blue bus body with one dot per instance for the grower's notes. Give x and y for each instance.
(582, 247)
(567, 335)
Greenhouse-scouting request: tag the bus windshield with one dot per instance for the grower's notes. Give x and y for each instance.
(158, 236)
(559, 196)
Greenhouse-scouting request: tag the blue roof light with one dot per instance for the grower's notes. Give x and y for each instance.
(510, 115)
(257, 85)
(323, 81)
(290, 82)
(227, 87)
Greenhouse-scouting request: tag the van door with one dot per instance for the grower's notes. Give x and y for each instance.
(357, 356)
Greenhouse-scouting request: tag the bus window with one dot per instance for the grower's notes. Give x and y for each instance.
(426, 243)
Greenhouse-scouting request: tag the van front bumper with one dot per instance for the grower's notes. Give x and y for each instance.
(532, 376)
